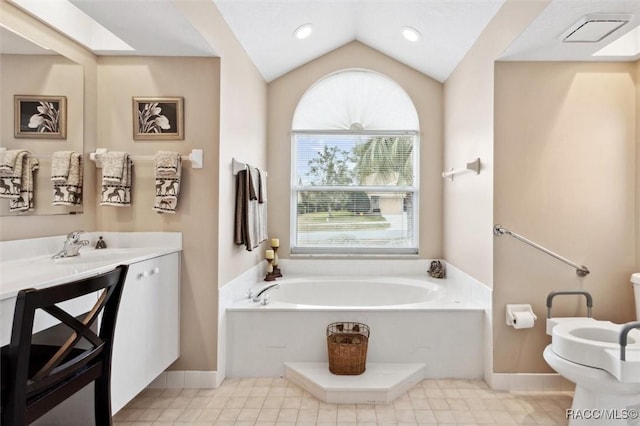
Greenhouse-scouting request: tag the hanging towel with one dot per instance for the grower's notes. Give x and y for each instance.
(250, 214)
(114, 164)
(25, 200)
(168, 171)
(68, 191)
(262, 206)
(9, 162)
(18, 184)
(116, 193)
(167, 162)
(11, 165)
(60, 164)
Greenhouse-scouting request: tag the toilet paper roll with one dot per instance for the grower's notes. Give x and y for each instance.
(523, 320)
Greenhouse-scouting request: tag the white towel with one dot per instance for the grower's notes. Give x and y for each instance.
(168, 171)
(116, 193)
(68, 191)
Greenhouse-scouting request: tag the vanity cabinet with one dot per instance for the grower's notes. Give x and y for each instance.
(147, 335)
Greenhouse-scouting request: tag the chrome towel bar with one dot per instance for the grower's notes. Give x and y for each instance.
(581, 270)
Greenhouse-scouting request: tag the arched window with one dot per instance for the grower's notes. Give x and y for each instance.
(355, 174)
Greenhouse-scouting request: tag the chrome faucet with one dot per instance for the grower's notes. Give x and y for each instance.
(72, 245)
(261, 294)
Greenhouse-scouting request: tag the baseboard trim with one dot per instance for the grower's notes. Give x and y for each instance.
(532, 382)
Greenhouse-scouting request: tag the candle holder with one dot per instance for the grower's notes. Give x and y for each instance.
(269, 276)
(276, 270)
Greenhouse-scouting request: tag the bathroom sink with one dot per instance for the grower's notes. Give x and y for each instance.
(102, 255)
(42, 271)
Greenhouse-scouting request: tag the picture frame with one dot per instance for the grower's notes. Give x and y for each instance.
(158, 118)
(40, 117)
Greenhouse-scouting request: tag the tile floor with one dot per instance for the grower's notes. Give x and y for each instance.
(267, 401)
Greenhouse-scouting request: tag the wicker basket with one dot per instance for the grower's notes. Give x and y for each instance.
(347, 347)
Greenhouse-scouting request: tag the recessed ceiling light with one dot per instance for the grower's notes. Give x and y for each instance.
(303, 31)
(411, 34)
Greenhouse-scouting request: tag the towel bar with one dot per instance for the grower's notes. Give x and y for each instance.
(196, 157)
(239, 166)
(473, 166)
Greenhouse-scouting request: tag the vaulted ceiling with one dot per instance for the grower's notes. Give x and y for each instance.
(265, 28)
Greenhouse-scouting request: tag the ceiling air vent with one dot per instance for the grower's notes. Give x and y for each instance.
(594, 28)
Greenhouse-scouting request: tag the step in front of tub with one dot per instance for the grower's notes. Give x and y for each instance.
(380, 383)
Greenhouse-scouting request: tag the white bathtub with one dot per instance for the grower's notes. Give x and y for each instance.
(344, 291)
(413, 319)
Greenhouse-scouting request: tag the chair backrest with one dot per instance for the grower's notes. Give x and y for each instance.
(38, 380)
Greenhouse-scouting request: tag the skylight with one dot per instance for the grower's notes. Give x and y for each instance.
(74, 23)
(627, 45)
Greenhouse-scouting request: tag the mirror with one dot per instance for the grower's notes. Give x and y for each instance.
(32, 71)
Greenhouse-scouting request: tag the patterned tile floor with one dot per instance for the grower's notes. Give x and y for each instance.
(267, 401)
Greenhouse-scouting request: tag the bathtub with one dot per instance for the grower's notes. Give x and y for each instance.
(355, 292)
(413, 319)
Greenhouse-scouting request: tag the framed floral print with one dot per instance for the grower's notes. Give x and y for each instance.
(40, 117)
(158, 118)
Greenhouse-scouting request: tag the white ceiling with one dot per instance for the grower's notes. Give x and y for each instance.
(448, 27)
(542, 40)
(151, 27)
(265, 29)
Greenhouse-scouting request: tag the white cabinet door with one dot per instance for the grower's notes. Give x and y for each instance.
(147, 336)
(163, 313)
(128, 369)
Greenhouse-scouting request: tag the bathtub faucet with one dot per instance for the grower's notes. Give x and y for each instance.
(256, 297)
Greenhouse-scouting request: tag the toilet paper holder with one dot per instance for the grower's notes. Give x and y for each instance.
(512, 308)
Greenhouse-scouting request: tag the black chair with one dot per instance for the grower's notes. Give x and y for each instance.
(36, 377)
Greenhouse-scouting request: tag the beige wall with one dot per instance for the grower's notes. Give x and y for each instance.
(426, 94)
(197, 80)
(227, 88)
(468, 128)
(243, 127)
(45, 75)
(565, 178)
(12, 228)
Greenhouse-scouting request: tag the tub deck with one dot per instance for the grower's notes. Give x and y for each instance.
(445, 333)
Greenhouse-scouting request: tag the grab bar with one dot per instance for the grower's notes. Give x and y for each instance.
(553, 294)
(581, 270)
(623, 337)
